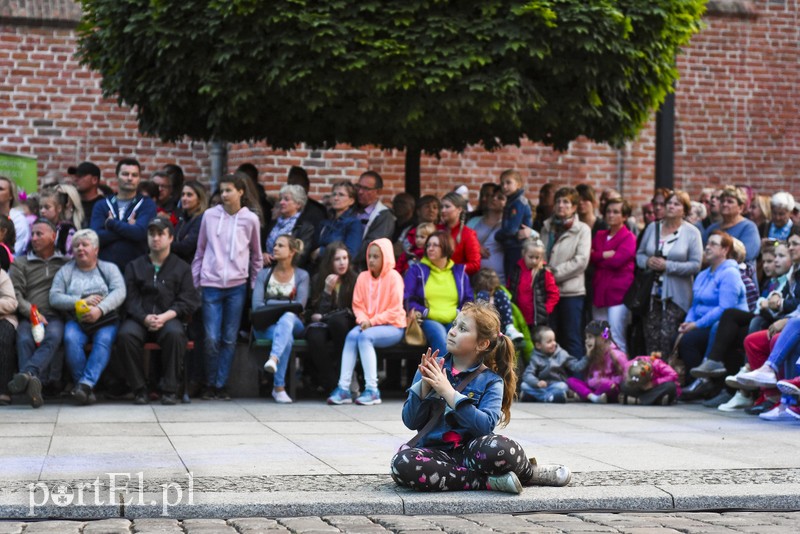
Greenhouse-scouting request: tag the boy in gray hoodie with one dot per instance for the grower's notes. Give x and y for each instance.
(545, 377)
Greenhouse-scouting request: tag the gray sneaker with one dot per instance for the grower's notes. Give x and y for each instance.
(550, 475)
(721, 398)
(709, 369)
(507, 483)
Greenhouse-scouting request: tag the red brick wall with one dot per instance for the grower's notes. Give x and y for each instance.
(736, 117)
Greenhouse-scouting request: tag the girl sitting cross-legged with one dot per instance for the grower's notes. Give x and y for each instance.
(455, 403)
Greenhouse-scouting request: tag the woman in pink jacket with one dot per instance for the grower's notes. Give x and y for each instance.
(613, 256)
(228, 257)
(380, 322)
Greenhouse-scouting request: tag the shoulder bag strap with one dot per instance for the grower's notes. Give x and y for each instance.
(438, 409)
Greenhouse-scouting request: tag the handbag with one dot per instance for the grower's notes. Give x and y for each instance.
(268, 314)
(414, 334)
(637, 298)
(674, 360)
(106, 320)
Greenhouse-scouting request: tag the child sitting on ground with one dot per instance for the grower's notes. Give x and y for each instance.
(487, 287)
(605, 368)
(406, 259)
(649, 380)
(532, 285)
(455, 403)
(545, 378)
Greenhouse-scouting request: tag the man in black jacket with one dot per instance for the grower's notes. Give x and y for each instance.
(160, 296)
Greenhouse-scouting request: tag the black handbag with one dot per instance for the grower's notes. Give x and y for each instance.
(637, 298)
(268, 314)
(106, 320)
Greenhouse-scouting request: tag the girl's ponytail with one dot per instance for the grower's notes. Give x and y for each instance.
(500, 355)
(503, 361)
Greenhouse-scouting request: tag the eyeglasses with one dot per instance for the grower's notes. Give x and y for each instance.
(365, 188)
(713, 244)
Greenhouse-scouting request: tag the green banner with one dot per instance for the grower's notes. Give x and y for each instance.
(21, 169)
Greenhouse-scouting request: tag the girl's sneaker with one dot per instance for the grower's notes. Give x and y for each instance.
(790, 387)
(340, 396)
(739, 401)
(271, 366)
(370, 397)
(281, 397)
(550, 475)
(781, 412)
(508, 483)
(763, 377)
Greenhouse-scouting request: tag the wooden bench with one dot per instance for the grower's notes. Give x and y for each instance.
(398, 352)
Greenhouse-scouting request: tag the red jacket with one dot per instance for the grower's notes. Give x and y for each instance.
(536, 299)
(468, 249)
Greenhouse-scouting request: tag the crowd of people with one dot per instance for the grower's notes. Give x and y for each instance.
(694, 300)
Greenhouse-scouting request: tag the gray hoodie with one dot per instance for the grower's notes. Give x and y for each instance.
(556, 368)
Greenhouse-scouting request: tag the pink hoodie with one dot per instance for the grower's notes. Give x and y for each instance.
(228, 249)
(380, 300)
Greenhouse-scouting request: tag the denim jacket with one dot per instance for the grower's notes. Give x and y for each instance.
(476, 412)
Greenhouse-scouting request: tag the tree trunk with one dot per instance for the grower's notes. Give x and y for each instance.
(413, 156)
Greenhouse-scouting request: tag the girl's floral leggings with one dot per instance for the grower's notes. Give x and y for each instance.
(463, 468)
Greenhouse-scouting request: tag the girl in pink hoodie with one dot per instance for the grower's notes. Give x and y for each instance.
(228, 257)
(380, 322)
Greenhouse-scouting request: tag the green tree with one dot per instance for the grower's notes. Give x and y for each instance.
(419, 74)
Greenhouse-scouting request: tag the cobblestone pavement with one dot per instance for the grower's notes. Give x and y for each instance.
(626, 523)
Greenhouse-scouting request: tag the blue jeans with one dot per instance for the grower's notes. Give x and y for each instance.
(88, 370)
(283, 333)
(436, 335)
(362, 343)
(567, 322)
(786, 345)
(222, 313)
(545, 394)
(36, 360)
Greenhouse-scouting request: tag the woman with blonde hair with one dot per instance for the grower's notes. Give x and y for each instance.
(74, 208)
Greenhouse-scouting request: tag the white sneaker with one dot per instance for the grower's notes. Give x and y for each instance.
(739, 401)
(271, 366)
(763, 377)
(281, 397)
(598, 399)
(778, 413)
(550, 475)
(513, 333)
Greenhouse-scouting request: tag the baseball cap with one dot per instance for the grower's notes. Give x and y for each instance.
(161, 224)
(85, 168)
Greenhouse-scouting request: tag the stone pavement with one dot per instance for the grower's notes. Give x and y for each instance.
(585, 523)
(253, 458)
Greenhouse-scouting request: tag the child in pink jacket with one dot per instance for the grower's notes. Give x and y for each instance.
(606, 367)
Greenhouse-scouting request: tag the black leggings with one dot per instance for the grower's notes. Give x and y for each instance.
(463, 468)
(728, 346)
(8, 356)
(326, 359)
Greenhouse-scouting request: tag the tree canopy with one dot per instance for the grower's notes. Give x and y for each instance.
(429, 74)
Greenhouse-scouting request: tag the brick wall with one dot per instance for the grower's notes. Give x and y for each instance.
(736, 117)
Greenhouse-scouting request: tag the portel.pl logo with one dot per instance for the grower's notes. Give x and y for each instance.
(116, 491)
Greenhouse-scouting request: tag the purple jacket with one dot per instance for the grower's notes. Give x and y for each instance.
(417, 275)
(612, 276)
